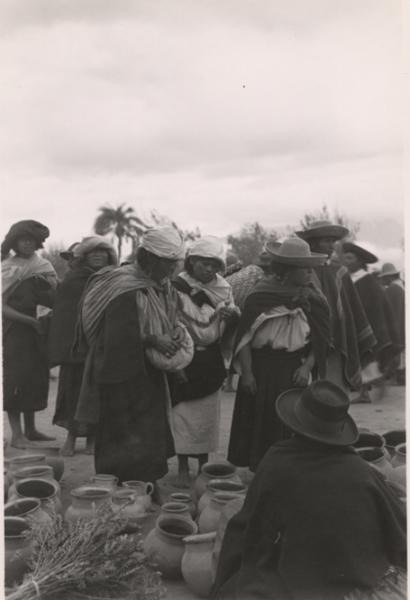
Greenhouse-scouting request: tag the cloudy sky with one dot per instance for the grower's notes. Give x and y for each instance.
(215, 113)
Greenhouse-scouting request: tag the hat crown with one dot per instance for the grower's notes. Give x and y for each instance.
(325, 401)
(294, 248)
(388, 269)
(321, 223)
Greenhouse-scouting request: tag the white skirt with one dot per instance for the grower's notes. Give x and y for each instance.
(195, 425)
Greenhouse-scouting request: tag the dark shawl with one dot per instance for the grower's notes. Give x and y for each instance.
(268, 293)
(317, 522)
(395, 296)
(351, 333)
(65, 316)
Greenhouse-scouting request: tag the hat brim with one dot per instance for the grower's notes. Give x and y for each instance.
(335, 231)
(364, 255)
(388, 274)
(307, 261)
(285, 408)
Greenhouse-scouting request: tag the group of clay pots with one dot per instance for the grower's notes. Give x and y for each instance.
(182, 543)
(387, 453)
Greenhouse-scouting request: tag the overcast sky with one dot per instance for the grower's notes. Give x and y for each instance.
(215, 113)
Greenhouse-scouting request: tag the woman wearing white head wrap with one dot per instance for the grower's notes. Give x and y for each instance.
(208, 311)
(128, 320)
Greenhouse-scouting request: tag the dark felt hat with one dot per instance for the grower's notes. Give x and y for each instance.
(388, 269)
(36, 230)
(318, 412)
(364, 255)
(69, 254)
(321, 229)
(294, 252)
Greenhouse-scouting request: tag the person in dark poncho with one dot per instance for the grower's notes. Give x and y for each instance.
(87, 257)
(28, 281)
(318, 522)
(374, 301)
(283, 334)
(352, 336)
(395, 294)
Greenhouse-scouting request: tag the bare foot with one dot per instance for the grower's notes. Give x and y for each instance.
(37, 436)
(68, 448)
(20, 442)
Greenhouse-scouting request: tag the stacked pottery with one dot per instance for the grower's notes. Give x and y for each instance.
(106, 481)
(399, 457)
(220, 485)
(393, 438)
(217, 470)
(209, 518)
(369, 439)
(85, 501)
(377, 459)
(164, 545)
(28, 509)
(142, 489)
(130, 508)
(43, 490)
(41, 472)
(17, 550)
(196, 565)
(229, 510)
(15, 463)
(186, 499)
(179, 510)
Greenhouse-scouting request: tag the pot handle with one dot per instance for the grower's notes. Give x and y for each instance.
(149, 488)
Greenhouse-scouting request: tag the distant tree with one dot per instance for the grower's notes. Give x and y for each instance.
(120, 221)
(52, 253)
(338, 218)
(249, 243)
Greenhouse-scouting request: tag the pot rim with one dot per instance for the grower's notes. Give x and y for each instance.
(21, 501)
(47, 468)
(18, 520)
(79, 492)
(174, 506)
(240, 486)
(169, 519)
(104, 477)
(37, 479)
(221, 463)
(401, 448)
(24, 457)
(199, 538)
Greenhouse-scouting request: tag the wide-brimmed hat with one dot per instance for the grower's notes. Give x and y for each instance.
(318, 412)
(320, 229)
(294, 252)
(362, 254)
(68, 254)
(388, 269)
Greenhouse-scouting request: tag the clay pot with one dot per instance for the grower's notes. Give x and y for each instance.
(393, 438)
(55, 460)
(28, 509)
(186, 499)
(229, 510)
(398, 478)
(220, 485)
(42, 489)
(399, 457)
(196, 565)
(141, 488)
(16, 463)
(42, 472)
(209, 519)
(217, 470)
(179, 510)
(164, 545)
(109, 482)
(84, 502)
(377, 459)
(369, 439)
(130, 508)
(17, 550)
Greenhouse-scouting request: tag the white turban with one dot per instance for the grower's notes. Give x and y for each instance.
(165, 242)
(208, 247)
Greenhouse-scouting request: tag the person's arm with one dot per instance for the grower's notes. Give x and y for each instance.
(302, 373)
(14, 315)
(248, 381)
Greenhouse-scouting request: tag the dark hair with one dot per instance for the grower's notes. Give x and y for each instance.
(281, 270)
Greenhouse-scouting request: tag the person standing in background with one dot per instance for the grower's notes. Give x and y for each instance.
(395, 294)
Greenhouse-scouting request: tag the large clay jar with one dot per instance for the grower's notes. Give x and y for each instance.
(393, 438)
(85, 501)
(220, 485)
(399, 457)
(26, 460)
(28, 509)
(186, 499)
(17, 550)
(54, 459)
(40, 472)
(143, 489)
(196, 565)
(130, 508)
(179, 510)
(398, 479)
(209, 518)
(106, 481)
(42, 489)
(229, 510)
(216, 470)
(377, 459)
(164, 545)
(370, 439)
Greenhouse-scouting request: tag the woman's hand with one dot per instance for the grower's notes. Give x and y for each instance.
(301, 375)
(165, 344)
(178, 336)
(248, 383)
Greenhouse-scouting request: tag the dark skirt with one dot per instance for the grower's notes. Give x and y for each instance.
(255, 424)
(25, 369)
(133, 438)
(69, 385)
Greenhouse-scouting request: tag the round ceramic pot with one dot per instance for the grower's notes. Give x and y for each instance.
(164, 545)
(43, 490)
(209, 518)
(186, 499)
(229, 510)
(28, 509)
(377, 459)
(398, 478)
(196, 565)
(17, 550)
(106, 481)
(41, 472)
(179, 510)
(142, 489)
(16, 463)
(220, 485)
(399, 455)
(216, 470)
(369, 439)
(55, 460)
(393, 438)
(129, 508)
(85, 501)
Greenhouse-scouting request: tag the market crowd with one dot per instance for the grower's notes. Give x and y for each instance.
(145, 348)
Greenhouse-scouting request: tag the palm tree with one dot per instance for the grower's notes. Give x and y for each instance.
(122, 222)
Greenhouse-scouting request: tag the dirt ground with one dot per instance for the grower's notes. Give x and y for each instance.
(383, 414)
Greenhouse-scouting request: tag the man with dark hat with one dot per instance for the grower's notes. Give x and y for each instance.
(356, 259)
(68, 255)
(393, 286)
(352, 336)
(318, 522)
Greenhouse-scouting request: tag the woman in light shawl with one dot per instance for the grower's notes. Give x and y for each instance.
(28, 281)
(128, 320)
(89, 256)
(208, 311)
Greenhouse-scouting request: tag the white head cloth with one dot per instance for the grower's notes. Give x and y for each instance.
(208, 247)
(165, 242)
(88, 244)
